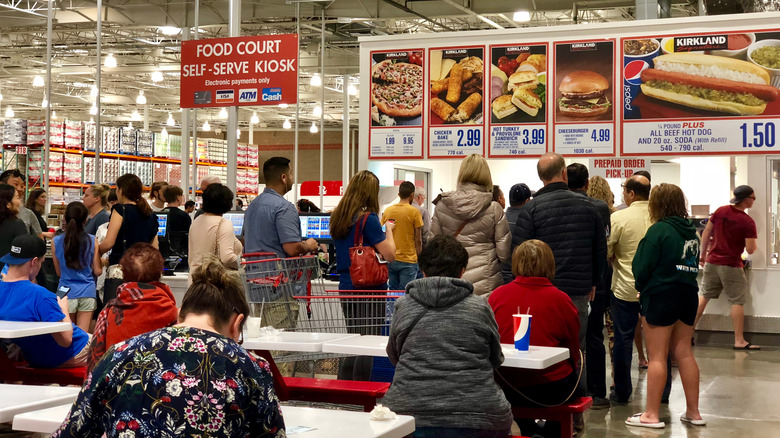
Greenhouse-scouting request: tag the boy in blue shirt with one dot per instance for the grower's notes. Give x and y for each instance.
(23, 300)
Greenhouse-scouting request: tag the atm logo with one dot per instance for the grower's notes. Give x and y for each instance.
(247, 95)
(272, 94)
(224, 96)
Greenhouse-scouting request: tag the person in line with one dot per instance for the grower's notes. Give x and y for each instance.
(470, 214)
(360, 198)
(665, 268)
(15, 178)
(23, 300)
(96, 200)
(112, 199)
(189, 208)
(192, 379)
(306, 206)
(407, 235)
(179, 222)
(417, 202)
(271, 223)
(519, 195)
(77, 263)
(555, 323)
(498, 196)
(36, 203)
(596, 367)
(10, 225)
(156, 196)
(205, 182)
(444, 342)
(211, 234)
(728, 233)
(132, 221)
(142, 304)
(239, 204)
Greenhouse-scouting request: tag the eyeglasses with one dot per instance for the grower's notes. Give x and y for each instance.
(240, 329)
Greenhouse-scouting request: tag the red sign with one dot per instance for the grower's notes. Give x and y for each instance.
(21, 150)
(330, 188)
(240, 71)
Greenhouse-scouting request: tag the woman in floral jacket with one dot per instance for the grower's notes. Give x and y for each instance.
(192, 379)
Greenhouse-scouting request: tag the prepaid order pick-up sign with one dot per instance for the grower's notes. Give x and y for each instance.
(240, 71)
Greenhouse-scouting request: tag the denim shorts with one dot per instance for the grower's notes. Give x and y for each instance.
(81, 304)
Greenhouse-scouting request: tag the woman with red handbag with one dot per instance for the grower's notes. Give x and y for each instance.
(359, 239)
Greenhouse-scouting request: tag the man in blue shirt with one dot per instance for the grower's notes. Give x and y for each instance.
(271, 223)
(22, 300)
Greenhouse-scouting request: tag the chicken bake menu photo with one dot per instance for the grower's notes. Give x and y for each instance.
(456, 102)
(518, 100)
(584, 96)
(396, 104)
(707, 93)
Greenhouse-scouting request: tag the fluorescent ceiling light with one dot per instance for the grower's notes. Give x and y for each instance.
(130, 125)
(91, 120)
(141, 99)
(170, 121)
(206, 126)
(313, 128)
(164, 132)
(110, 61)
(316, 80)
(135, 116)
(169, 30)
(45, 103)
(522, 16)
(317, 111)
(93, 91)
(254, 120)
(223, 113)
(9, 112)
(1, 96)
(38, 81)
(157, 76)
(93, 109)
(286, 124)
(54, 114)
(352, 90)
(283, 105)
(238, 133)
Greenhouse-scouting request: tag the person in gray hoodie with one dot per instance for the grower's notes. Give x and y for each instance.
(445, 345)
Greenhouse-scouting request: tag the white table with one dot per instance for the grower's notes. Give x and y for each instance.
(17, 399)
(294, 341)
(537, 358)
(21, 329)
(328, 423)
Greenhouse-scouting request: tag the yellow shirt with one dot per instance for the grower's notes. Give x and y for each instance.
(628, 228)
(407, 219)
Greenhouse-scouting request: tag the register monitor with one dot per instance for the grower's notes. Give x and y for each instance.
(237, 218)
(317, 226)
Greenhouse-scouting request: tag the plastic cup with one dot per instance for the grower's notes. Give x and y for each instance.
(522, 325)
(253, 327)
(633, 66)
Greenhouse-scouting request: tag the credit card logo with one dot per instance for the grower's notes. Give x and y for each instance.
(272, 94)
(202, 97)
(224, 96)
(247, 95)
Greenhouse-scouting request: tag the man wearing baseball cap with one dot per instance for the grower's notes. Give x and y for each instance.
(732, 231)
(22, 300)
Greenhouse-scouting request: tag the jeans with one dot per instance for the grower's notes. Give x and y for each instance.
(581, 303)
(457, 432)
(401, 273)
(594, 342)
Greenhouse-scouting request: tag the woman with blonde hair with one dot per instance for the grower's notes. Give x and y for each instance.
(598, 188)
(96, 200)
(470, 215)
(665, 268)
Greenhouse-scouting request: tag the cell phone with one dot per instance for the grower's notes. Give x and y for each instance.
(62, 291)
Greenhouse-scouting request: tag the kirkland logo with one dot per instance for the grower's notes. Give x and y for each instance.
(224, 96)
(247, 95)
(272, 94)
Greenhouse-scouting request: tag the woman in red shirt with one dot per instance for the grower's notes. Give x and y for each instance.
(555, 323)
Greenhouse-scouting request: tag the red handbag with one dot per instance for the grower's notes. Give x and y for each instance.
(365, 269)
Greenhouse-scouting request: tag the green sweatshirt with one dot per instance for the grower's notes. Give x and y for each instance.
(667, 258)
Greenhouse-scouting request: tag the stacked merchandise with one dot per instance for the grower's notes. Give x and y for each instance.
(109, 167)
(174, 174)
(71, 170)
(145, 171)
(9, 160)
(89, 170)
(217, 171)
(144, 142)
(203, 152)
(36, 132)
(243, 151)
(110, 140)
(15, 132)
(161, 171)
(216, 150)
(34, 165)
(161, 146)
(128, 140)
(246, 181)
(56, 166)
(73, 134)
(57, 134)
(89, 136)
(174, 146)
(203, 171)
(252, 156)
(126, 166)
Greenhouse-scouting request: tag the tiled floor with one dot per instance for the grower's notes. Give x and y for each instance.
(739, 398)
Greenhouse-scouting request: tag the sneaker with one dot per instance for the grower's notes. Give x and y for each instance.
(615, 401)
(600, 403)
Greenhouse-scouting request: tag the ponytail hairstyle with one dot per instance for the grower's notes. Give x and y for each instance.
(133, 189)
(75, 237)
(101, 191)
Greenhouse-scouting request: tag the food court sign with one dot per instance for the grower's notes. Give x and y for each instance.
(240, 71)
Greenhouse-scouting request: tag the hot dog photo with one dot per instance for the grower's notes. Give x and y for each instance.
(583, 81)
(713, 75)
(457, 79)
(518, 84)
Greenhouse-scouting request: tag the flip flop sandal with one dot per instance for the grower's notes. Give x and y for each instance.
(635, 420)
(685, 419)
(749, 347)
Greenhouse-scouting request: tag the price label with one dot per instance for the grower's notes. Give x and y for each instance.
(717, 136)
(517, 140)
(21, 150)
(396, 142)
(455, 141)
(593, 139)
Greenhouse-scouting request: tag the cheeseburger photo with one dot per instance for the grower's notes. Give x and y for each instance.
(708, 82)
(583, 94)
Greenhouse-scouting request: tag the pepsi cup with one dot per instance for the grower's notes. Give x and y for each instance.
(638, 55)
(522, 325)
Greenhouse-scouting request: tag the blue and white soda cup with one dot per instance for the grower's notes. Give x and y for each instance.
(638, 55)
(522, 325)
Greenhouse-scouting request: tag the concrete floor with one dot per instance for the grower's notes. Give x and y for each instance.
(739, 398)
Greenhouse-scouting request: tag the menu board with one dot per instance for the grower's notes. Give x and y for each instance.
(704, 93)
(584, 122)
(456, 122)
(397, 91)
(518, 100)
